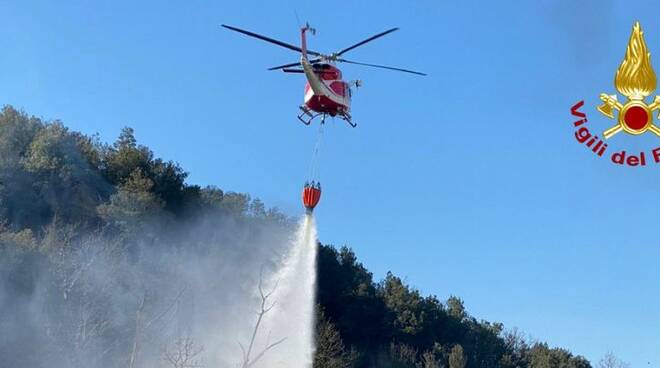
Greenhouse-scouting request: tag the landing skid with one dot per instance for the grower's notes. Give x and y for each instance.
(347, 118)
(307, 116)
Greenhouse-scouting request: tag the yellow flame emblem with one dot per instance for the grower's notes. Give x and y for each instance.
(634, 79)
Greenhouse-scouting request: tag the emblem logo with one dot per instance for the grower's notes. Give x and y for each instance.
(636, 80)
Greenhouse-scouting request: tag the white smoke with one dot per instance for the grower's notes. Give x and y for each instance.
(102, 307)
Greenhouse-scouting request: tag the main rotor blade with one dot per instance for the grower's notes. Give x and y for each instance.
(365, 41)
(380, 66)
(312, 61)
(285, 66)
(271, 40)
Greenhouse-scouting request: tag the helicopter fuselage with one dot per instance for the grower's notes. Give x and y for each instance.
(325, 91)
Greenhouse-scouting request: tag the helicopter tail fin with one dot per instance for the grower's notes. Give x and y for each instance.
(303, 37)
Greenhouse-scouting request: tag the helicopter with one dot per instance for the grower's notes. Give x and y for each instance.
(326, 93)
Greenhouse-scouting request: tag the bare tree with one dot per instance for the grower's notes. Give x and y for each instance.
(429, 360)
(85, 318)
(611, 361)
(183, 354)
(457, 357)
(266, 306)
(403, 354)
(143, 323)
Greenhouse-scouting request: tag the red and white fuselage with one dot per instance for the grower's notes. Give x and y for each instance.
(325, 91)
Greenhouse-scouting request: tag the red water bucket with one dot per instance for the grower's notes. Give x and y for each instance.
(311, 196)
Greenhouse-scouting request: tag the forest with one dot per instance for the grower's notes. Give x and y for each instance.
(109, 258)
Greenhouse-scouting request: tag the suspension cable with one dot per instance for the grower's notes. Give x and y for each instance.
(314, 170)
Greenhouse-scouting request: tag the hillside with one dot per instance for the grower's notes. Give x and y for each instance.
(103, 246)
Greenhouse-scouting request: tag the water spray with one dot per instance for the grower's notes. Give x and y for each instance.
(294, 299)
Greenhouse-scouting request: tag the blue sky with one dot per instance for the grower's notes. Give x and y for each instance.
(466, 182)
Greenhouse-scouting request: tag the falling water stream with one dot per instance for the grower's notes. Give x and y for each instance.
(293, 298)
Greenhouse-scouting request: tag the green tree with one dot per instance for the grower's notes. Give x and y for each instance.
(541, 356)
(404, 306)
(133, 205)
(516, 350)
(46, 171)
(348, 295)
(456, 308)
(330, 349)
(20, 203)
(70, 186)
(17, 131)
(124, 157)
